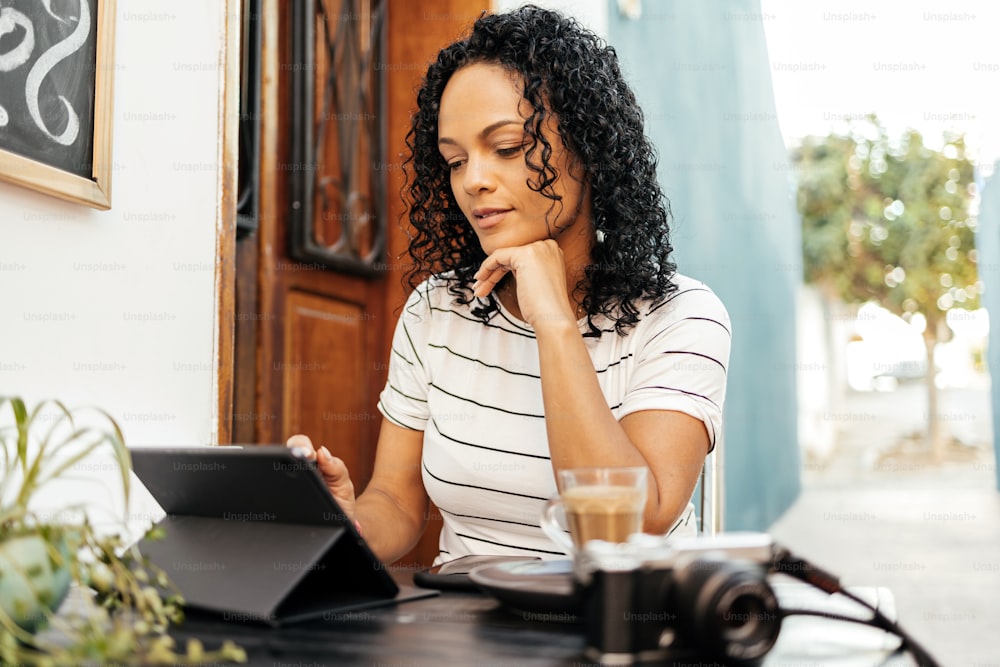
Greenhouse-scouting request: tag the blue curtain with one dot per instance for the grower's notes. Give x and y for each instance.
(988, 249)
(702, 75)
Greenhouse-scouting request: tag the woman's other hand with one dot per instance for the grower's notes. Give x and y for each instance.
(334, 472)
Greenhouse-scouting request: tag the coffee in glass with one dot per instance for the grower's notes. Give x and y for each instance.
(599, 503)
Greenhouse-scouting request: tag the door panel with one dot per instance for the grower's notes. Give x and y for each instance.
(326, 391)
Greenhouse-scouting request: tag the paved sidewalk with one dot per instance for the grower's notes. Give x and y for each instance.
(929, 532)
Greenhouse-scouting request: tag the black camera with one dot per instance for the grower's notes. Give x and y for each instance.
(657, 599)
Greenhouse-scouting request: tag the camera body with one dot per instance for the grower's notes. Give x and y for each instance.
(697, 598)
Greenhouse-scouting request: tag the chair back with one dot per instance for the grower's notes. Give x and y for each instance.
(709, 506)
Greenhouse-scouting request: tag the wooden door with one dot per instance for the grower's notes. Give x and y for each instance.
(315, 311)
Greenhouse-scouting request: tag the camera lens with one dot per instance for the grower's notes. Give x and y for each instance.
(729, 608)
(749, 618)
(743, 616)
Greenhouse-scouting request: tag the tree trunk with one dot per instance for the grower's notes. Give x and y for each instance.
(935, 443)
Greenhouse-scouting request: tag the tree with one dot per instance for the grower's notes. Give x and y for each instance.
(892, 223)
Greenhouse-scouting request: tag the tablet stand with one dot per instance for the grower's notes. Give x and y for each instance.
(284, 555)
(264, 571)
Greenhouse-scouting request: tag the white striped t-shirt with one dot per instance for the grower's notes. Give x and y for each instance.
(474, 389)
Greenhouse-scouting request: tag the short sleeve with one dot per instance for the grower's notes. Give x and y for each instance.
(403, 400)
(683, 359)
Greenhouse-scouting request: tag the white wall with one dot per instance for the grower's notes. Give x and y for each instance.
(116, 308)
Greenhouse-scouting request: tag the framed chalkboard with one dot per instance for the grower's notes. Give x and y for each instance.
(56, 74)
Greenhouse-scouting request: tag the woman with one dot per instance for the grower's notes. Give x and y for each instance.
(553, 332)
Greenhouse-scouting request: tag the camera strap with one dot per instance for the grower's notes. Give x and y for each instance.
(784, 562)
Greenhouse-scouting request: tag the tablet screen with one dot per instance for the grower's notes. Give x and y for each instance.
(248, 483)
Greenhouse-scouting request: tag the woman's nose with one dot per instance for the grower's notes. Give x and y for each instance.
(479, 175)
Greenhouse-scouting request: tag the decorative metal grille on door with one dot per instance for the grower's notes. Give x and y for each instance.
(337, 173)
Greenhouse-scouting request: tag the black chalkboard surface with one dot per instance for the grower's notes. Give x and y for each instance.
(47, 81)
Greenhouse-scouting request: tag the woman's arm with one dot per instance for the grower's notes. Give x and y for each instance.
(392, 510)
(582, 431)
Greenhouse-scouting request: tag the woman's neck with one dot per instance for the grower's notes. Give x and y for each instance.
(576, 244)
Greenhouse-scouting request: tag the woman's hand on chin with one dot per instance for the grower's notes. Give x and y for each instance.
(540, 273)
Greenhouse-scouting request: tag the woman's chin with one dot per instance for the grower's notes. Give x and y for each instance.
(490, 243)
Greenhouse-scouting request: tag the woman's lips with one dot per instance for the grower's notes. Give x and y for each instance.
(488, 217)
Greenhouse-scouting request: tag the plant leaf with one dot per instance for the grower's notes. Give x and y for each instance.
(66, 464)
(23, 425)
(122, 456)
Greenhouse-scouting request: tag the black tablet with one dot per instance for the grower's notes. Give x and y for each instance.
(252, 532)
(251, 483)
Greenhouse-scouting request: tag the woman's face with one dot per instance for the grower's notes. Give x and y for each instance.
(481, 137)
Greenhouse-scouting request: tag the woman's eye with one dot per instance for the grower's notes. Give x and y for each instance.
(510, 151)
(455, 164)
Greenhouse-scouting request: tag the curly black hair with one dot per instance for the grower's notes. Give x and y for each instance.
(571, 73)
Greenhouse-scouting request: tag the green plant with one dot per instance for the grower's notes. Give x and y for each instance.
(129, 603)
(892, 222)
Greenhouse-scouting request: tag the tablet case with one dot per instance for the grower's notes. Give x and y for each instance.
(253, 533)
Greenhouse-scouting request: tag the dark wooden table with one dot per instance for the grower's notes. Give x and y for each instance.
(474, 630)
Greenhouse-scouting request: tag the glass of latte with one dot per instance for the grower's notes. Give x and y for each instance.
(599, 504)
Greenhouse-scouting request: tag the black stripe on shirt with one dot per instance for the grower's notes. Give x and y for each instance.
(680, 391)
(615, 363)
(488, 518)
(481, 488)
(482, 363)
(509, 546)
(677, 322)
(709, 426)
(483, 405)
(518, 325)
(696, 354)
(686, 520)
(412, 346)
(709, 319)
(395, 420)
(411, 306)
(402, 393)
(492, 449)
(400, 355)
(479, 321)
